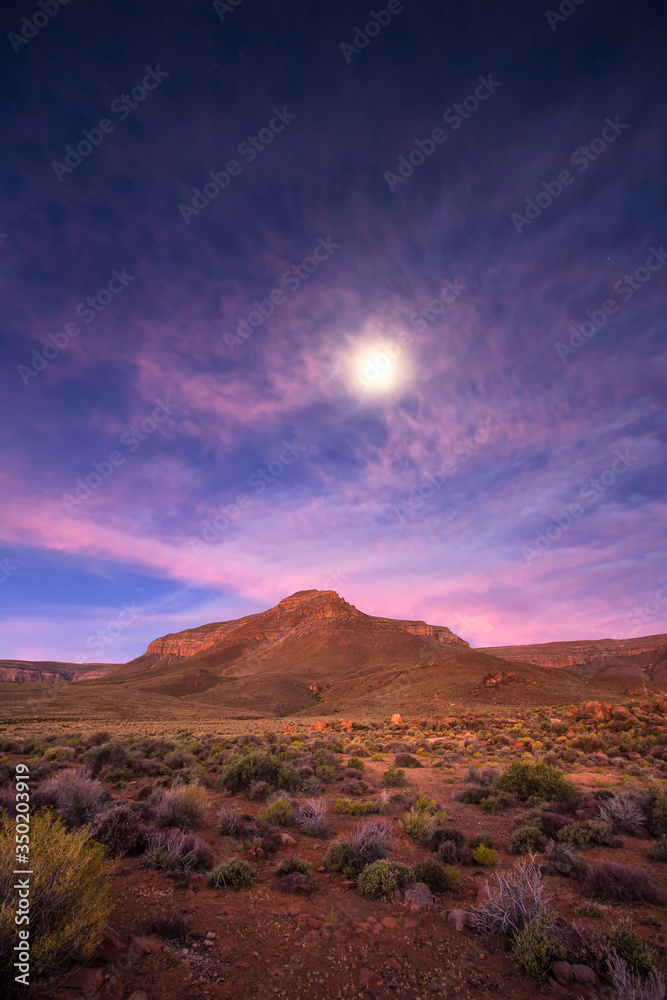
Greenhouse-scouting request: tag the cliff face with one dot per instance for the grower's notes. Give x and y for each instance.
(50, 671)
(302, 610)
(594, 657)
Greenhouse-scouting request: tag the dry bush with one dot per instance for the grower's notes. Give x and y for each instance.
(183, 806)
(520, 898)
(77, 797)
(311, 819)
(612, 883)
(177, 853)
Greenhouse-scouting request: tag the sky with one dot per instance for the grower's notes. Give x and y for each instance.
(333, 296)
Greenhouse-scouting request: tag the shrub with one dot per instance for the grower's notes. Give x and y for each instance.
(356, 763)
(229, 822)
(105, 754)
(279, 812)
(353, 786)
(630, 986)
(69, 900)
(537, 946)
(623, 813)
(573, 834)
(450, 853)
(345, 807)
(519, 900)
(177, 853)
(183, 806)
(621, 939)
(483, 855)
(406, 760)
(119, 829)
(658, 849)
(77, 798)
(253, 767)
(612, 883)
(551, 823)
(326, 773)
(479, 776)
(171, 926)
(418, 824)
(349, 857)
(394, 777)
(382, 878)
(540, 782)
(293, 864)
(561, 860)
(657, 811)
(234, 874)
(311, 819)
(527, 839)
(260, 791)
(439, 878)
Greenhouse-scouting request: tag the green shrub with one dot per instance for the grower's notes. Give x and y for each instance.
(537, 946)
(576, 836)
(105, 754)
(234, 874)
(253, 767)
(620, 937)
(346, 807)
(658, 849)
(382, 878)
(394, 777)
(349, 857)
(278, 813)
(183, 806)
(540, 782)
(326, 773)
(418, 824)
(657, 811)
(293, 864)
(483, 855)
(527, 839)
(356, 763)
(69, 897)
(439, 878)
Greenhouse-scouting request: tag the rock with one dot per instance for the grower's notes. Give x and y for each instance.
(314, 921)
(557, 988)
(348, 883)
(396, 719)
(371, 920)
(459, 918)
(211, 935)
(584, 975)
(260, 853)
(296, 883)
(110, 947)
(189, 894)
(149, 945)
(412, 922)
(562, 973)
(419, 894)
(197, 883)
(88, 980)
(394, 965)
(321, 868)
(287, 839)
(369, 978)
(389, 922)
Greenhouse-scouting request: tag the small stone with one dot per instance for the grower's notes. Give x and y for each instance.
(389, 922)
(148, 945)
(459, 918)
(347, 883)
(241, 965)
(110, 948)
(88, 980)
(584, 975)
(321, 868)
(414, 908)
(373, 920)
(189, 894)
(296, 883)
(287, 839)
(368, 977)
(314, 921)
(411, 922)
(211, 935)
(197, 883)
(260, 853)
(394, 965)
(562, 973)
(420, 895)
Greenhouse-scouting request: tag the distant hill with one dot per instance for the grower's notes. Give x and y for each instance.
(315, 654)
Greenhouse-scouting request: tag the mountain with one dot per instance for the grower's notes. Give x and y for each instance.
(641, 658)
(49, 671)
(314, 654)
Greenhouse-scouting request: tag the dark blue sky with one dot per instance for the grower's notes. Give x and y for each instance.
(280, 314)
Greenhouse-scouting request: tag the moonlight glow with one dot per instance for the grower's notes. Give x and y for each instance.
(379, 366)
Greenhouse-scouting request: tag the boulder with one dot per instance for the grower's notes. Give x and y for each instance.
(110, 948)
(562, 973)
(418, 893)
(295, 883)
